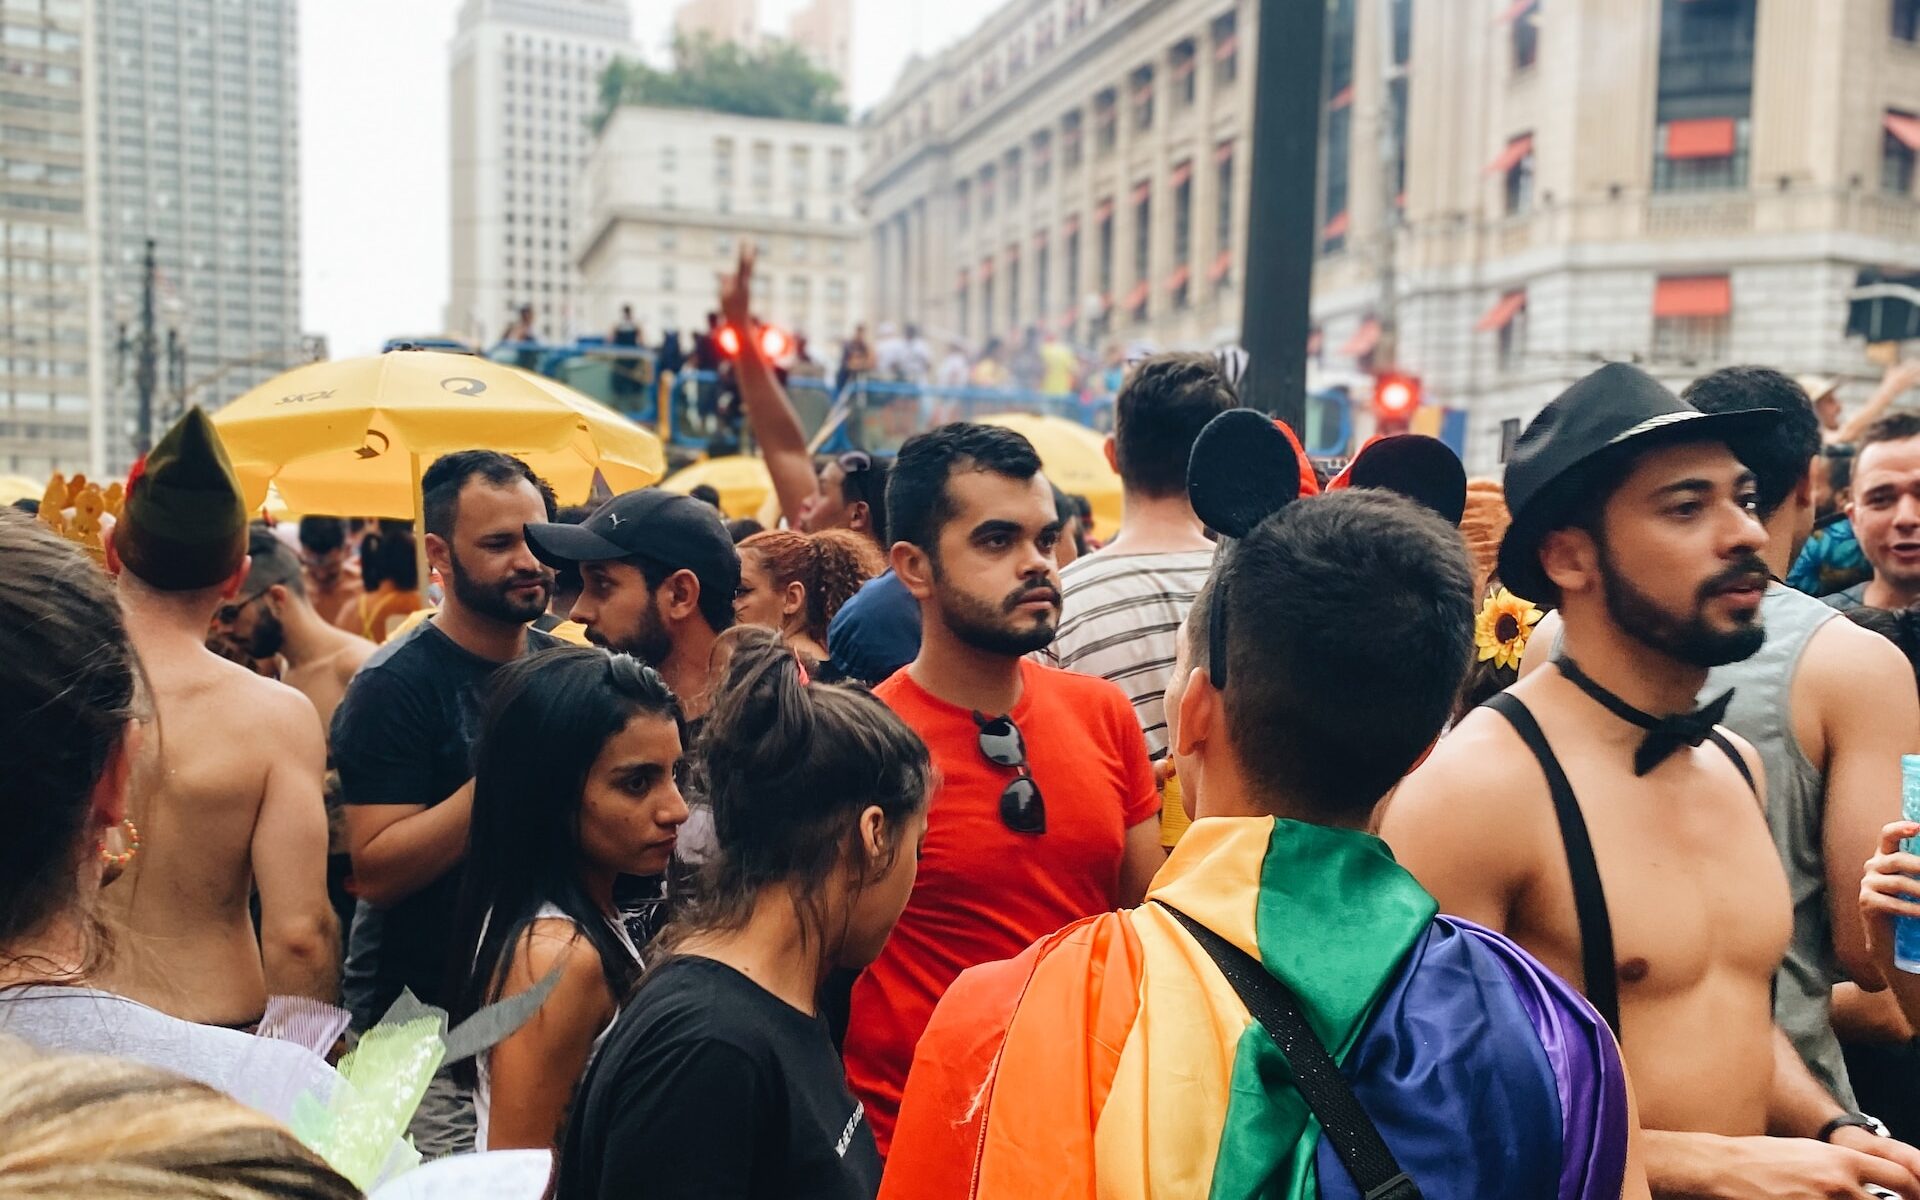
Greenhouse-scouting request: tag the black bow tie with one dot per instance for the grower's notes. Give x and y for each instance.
(1664, 734)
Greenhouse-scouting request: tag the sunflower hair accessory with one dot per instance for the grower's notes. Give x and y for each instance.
(1501, 631)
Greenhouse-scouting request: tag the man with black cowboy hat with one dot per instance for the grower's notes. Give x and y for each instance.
(1607, 825)
(236, 804)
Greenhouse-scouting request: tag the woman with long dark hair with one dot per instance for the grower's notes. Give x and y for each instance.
(574, 785)
(719, 1079)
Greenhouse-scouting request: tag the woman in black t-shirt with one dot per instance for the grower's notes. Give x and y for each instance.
(719, 1079)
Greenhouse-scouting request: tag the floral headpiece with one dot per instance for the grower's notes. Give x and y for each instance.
(1503, 627)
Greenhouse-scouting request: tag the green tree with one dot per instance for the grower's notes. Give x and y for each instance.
(775, 80)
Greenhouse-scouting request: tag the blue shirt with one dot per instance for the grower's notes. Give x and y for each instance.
(1830, 562)
(877, 632)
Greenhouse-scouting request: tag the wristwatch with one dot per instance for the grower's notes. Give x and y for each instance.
(1861, 1120)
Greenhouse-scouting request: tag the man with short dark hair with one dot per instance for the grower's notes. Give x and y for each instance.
(1047, 810)
(1595, 813)
(273, 617)
(1121, 606)
(1131, 1059)
(1831, 708)
(658, 573)
(1885, 513)
(403, 744)
(234, 805)
(333, 575)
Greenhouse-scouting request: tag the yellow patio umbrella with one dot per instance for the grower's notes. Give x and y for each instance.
(351, 438)
(741, 480)
(1075, 461)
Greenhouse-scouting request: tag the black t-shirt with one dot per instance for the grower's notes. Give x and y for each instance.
(404, 734)
(710, 1087)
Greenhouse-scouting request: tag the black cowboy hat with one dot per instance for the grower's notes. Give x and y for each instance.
(1615, 413)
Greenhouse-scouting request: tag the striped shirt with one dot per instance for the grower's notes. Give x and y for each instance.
(1120, 619)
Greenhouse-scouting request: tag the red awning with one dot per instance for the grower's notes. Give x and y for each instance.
(1509, 158)
(1181, 174)
(1516, 10)
(1906, 128)
(1693, 296)
(1709, 138)
(1364, 339)
(1071, 225)
(1103, 212)
(1179, 278)
(1221, 265)
(1225, 49)
(1183, 68)
(1502, 313)
(1336, 227)
(1143, 93)
(1141, 191)
(1223, 152)
(1138, 295)
(1341, 98)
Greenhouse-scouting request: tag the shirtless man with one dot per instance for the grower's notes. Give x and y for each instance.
(333, 574)
(1830, 708)
(232, 810)
(272, 616)
(1633, 512)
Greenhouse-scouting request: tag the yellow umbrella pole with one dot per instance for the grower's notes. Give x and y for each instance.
(419, 526)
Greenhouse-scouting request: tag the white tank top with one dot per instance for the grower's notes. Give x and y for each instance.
(483, 1095)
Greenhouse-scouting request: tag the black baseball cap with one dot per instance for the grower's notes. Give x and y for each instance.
(1618, 410)
(665, 528)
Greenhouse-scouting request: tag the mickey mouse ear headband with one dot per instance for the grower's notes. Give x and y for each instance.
(1423, 469)
(1246, 466)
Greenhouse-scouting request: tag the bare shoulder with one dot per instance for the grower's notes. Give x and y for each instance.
(1756, 769)
(1845, 664)
(273, 709)
(353, 655)
(1480, 766)
(555, 944)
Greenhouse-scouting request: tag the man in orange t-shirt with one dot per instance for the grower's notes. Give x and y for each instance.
(1047, 810)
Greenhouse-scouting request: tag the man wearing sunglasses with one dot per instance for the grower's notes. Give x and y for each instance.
(1047, 811)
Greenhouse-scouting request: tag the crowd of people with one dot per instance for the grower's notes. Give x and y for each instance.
(923, 847)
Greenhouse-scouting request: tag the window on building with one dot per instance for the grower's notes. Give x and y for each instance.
(666, 277)
(1514, 166)
(723, 161)
(1013, 288)
(1180, 74)
(1222, 267)
(836, 169)
(1507, 321)
(1070, 146)
(1103, 234)
(1523, 21)
(1042, 160)
(1226, 50)
(1041, 264)
(1705, 94)
(1692, 319)
(962, 204)
(960, 298)
(1182, 185)
(1013, 176)
(800, 168)
(987, 182)
(1142, 249)
(1906, 20)
(1071, 282)
(1899, 140)
(1140, 87)
(1337, 157)
(1106, 120)
(986, 300)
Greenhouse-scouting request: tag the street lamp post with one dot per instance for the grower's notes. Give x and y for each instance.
(1288, 71)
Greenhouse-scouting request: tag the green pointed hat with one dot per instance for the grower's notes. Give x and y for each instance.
(184, 523)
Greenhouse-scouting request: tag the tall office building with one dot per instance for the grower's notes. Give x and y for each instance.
(198, 150)
(736, 21)
(824, 32)
(526, 85)
(48, 380)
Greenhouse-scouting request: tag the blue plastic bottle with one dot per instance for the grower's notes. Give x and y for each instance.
(1906, 930)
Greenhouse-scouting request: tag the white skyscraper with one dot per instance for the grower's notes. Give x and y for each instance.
(526, 84)
(198, 127)
(48, 372)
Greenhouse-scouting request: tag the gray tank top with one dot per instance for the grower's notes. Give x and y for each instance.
(1762, 713)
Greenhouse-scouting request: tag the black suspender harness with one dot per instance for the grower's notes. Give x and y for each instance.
(1589, 898)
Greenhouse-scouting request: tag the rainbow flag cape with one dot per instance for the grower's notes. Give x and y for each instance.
(1112, 1059)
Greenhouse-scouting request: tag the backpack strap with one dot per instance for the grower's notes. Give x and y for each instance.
(1328, 1094)
(1589, 898)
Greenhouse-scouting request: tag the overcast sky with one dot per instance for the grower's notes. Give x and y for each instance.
(373, 143)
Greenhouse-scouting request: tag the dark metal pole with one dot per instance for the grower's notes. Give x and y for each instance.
(146, 370)
(1282, 197)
